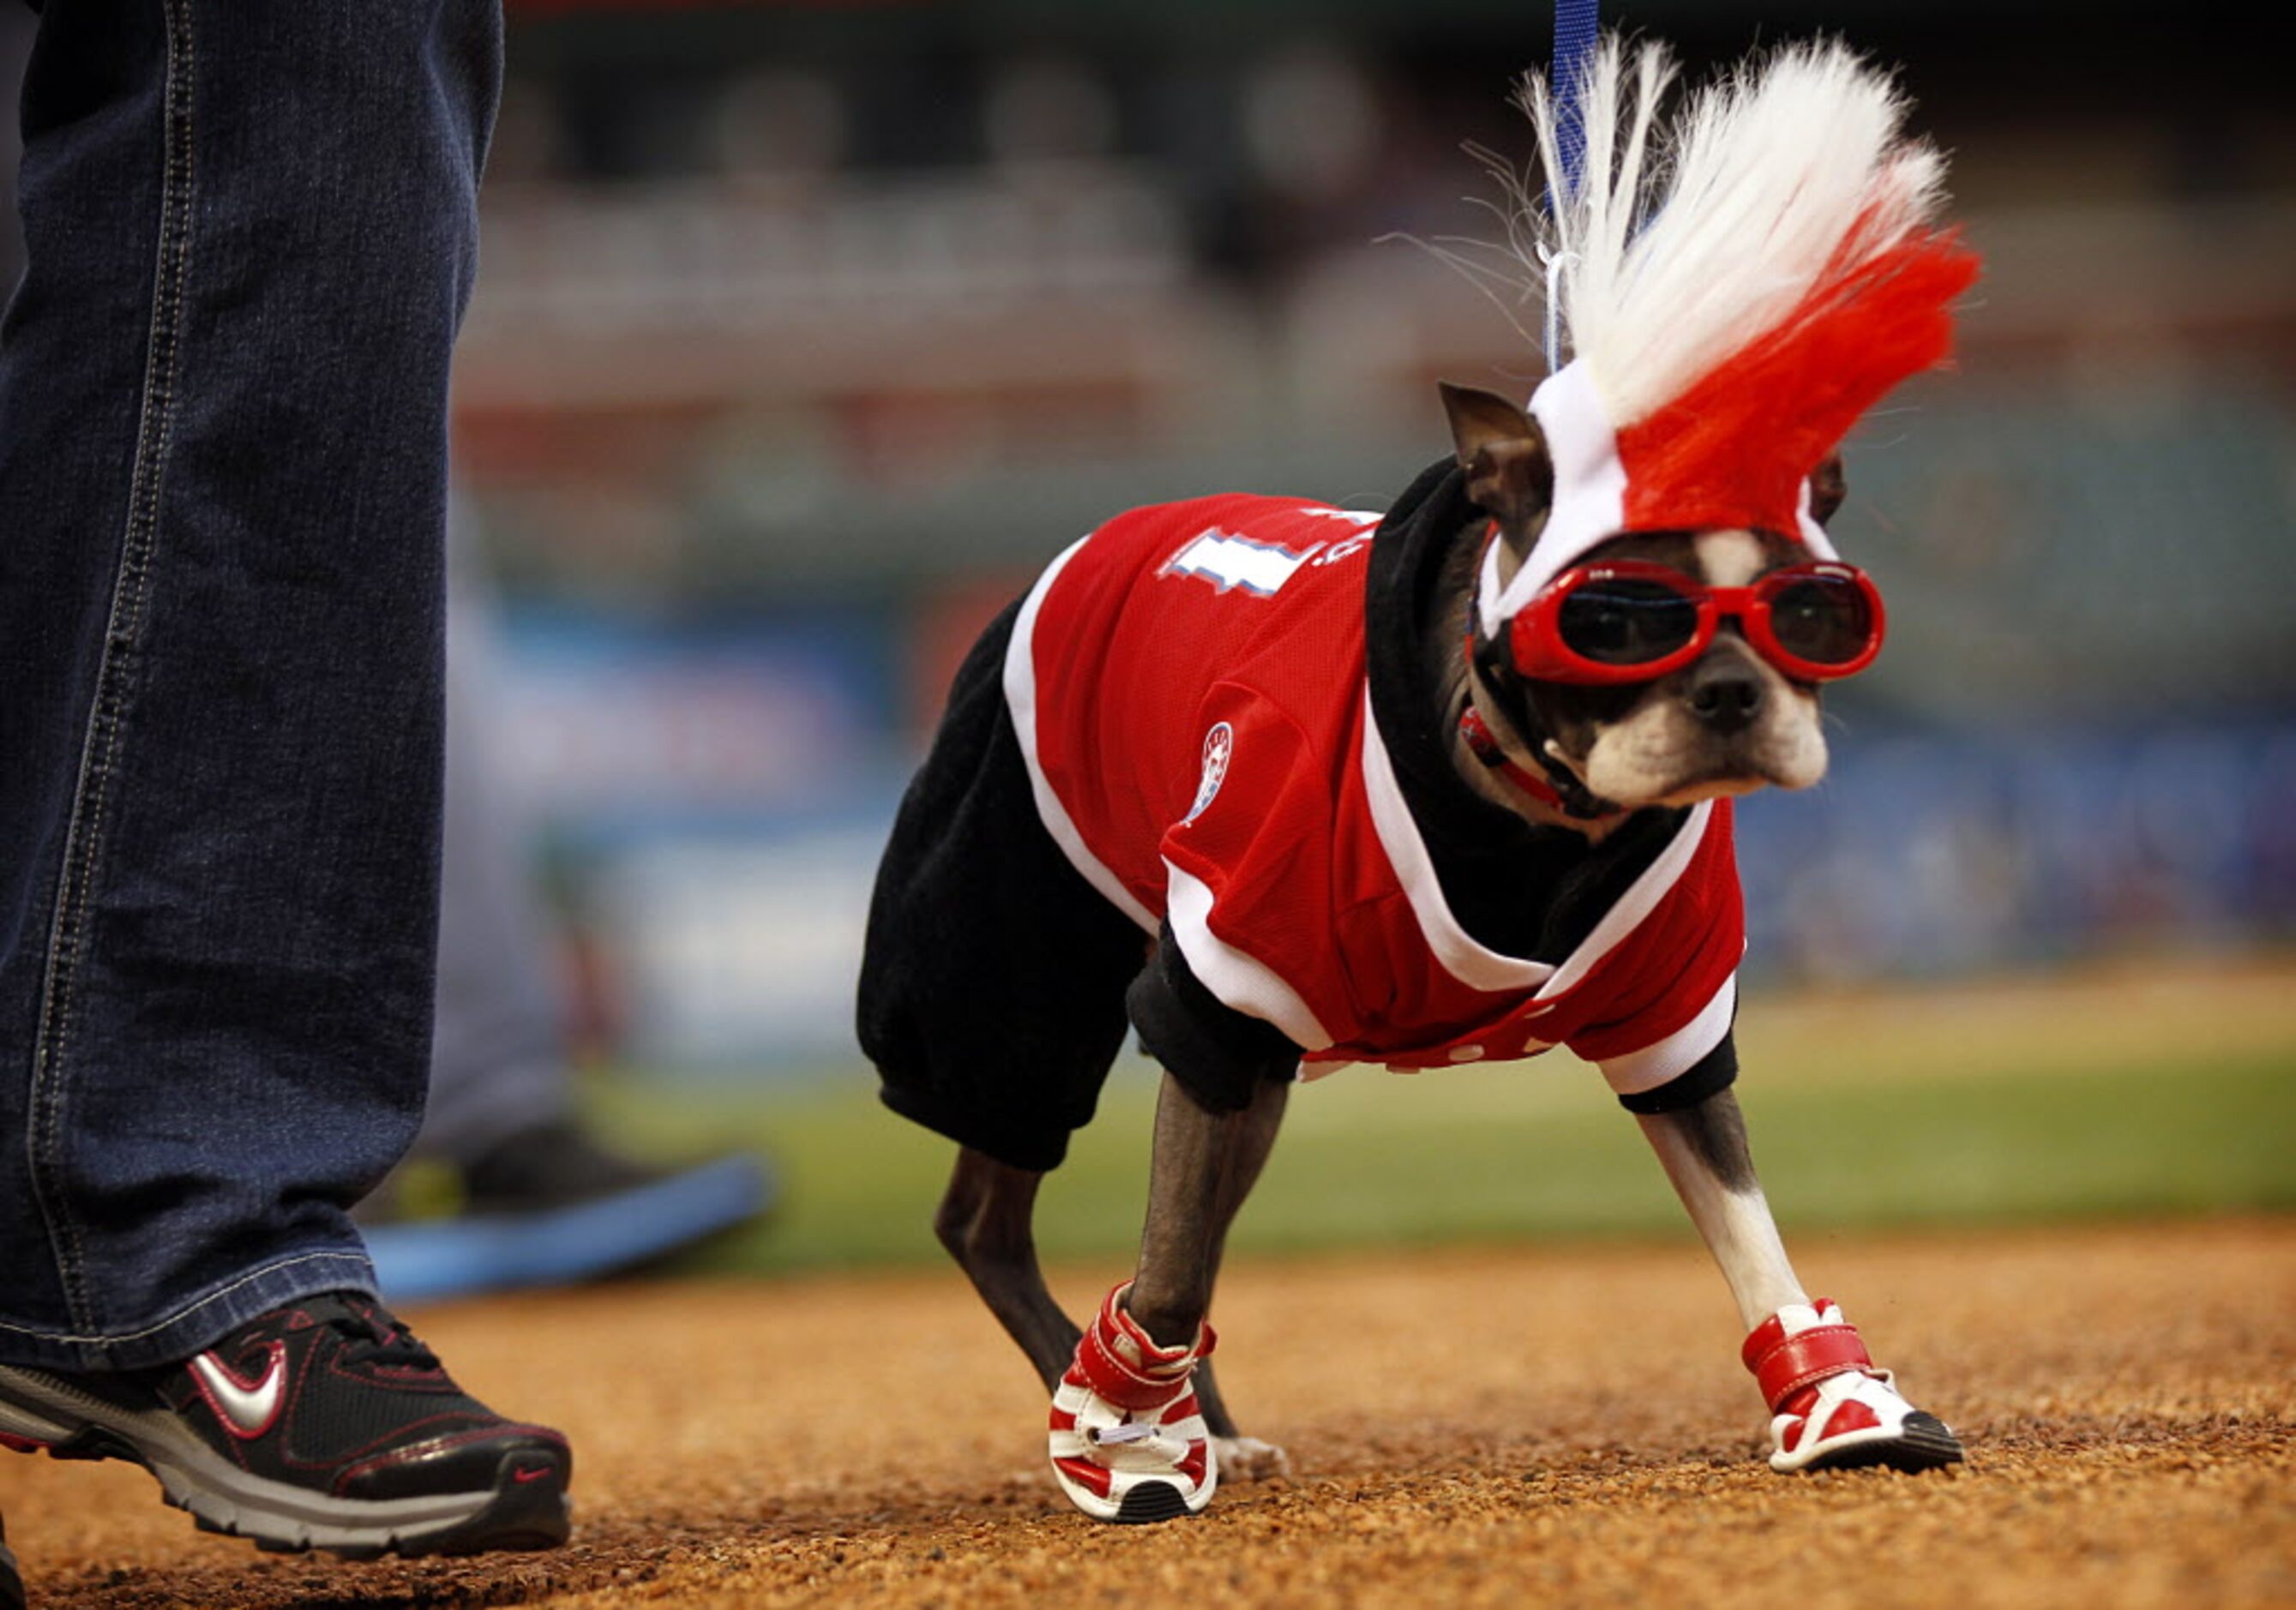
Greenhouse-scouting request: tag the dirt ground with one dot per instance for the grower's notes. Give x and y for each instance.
(1467, 1428)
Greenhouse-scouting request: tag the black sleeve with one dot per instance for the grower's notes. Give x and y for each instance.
(1709, 1075)
(1219, 1055)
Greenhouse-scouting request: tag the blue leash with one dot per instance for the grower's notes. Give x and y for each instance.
(1576, 23)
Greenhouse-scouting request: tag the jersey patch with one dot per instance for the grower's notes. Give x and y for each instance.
(1219, 745)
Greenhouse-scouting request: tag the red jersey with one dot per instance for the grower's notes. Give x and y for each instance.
(1188, 686)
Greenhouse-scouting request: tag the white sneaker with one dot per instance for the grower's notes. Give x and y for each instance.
(1126, 1439)
(1831, 1408)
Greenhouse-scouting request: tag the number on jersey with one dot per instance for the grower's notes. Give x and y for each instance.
(1233, 564)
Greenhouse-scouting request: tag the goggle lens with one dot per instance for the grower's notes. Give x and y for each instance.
(1626, 620)
(1824, 620)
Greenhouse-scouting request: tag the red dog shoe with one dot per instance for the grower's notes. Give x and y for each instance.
(1127, 1442)
(1832, 1410)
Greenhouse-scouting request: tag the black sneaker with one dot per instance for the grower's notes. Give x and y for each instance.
(551, 1206)
(321, 1425)
(11, 1584)
(550, 1165)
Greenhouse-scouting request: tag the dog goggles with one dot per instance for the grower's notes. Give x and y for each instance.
(1628, 622)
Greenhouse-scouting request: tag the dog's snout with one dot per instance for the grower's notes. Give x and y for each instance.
(1725, 696)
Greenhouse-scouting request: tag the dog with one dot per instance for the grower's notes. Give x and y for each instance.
(1285, 787)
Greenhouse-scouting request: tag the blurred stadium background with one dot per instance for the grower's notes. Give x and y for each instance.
(807, 330)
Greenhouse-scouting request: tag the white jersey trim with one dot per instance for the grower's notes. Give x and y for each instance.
(1641, 899)
(1678, 1052)
(1465, 958)
(1241, 981)
(1021, 699)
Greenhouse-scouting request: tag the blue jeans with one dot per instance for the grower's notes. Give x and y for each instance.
(250, 234)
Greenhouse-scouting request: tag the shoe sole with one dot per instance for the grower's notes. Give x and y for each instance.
(1148, 1500)
(1924, 1442)
(525, 1507)
(1150, 1503)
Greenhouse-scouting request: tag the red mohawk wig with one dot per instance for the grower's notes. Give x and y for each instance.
(1726, 334)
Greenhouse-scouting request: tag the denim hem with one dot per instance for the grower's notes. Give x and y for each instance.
(188, 1329)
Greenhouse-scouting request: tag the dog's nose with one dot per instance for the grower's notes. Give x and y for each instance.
(1724, 696)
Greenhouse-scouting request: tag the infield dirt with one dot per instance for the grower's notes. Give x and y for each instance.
(1466, 1428)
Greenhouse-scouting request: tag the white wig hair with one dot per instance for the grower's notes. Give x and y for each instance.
(1680, 242)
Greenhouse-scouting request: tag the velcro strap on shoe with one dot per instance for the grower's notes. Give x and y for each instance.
(1791, 1363)
(1124, 1364)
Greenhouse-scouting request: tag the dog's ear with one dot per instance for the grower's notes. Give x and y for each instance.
(1828, 486)
(1504, 452)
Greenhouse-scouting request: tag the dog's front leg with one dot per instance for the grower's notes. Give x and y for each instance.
(1704, 1152)
(1830, 1408)
(1241, 1142)
(1203, 1167)
(1131, 1439)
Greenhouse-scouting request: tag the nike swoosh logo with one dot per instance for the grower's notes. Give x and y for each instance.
(248, 1409)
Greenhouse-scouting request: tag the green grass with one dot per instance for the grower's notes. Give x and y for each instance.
(1540, 1151)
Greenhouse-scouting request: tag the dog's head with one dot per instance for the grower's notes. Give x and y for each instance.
(1725, 292)
(1727, 722)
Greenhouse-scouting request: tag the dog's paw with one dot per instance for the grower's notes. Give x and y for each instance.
(1856, 1419)
(1830, 1408)
(1250, 1460)
(1127, 1437)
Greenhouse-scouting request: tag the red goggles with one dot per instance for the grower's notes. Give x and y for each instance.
(1628, 622)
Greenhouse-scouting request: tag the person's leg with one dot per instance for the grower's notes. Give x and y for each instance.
(250, 235)
(498, 1066)
(542, 1199)
(251, 232)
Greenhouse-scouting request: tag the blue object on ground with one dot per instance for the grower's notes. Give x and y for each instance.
(463, 1257)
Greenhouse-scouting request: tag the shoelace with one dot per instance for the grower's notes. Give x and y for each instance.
(374, 1335)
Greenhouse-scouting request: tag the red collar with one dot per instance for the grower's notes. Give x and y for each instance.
(1486, 748)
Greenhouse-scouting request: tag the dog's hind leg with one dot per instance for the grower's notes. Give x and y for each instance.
(985, 1220)
(1830, 1407)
